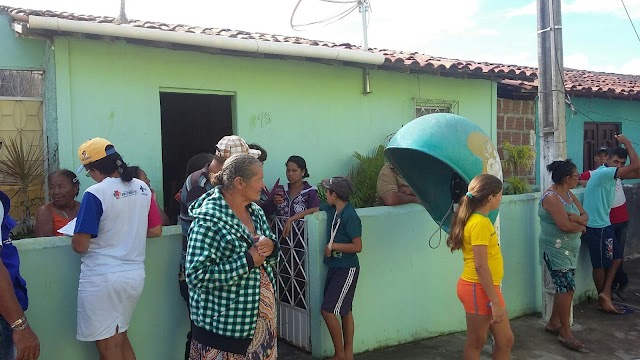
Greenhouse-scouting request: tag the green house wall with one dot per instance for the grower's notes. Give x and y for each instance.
(318, 111)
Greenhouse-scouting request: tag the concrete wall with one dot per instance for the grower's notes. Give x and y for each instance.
(407, 290)
(19, 53)
(111, 89)
(632, 246)
(51, 268)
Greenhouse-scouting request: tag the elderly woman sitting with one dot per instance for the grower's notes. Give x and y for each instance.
(230, 268)
(63, 207)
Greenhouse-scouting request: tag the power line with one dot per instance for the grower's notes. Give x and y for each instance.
(326, 21)
(612, 116)
(631, 21)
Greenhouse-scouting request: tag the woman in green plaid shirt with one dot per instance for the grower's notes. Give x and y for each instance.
(230, 268)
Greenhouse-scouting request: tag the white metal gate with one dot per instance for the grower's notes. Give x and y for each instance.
(293, 284)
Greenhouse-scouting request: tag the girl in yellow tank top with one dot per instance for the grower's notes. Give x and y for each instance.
(478, 287)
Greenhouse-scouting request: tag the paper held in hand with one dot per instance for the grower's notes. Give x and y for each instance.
(68, 229)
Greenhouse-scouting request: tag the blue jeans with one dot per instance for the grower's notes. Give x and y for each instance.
(7, 351)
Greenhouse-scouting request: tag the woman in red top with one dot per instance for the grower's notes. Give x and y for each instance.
(64, 186)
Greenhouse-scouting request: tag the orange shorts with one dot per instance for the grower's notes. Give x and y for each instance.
(474, 299)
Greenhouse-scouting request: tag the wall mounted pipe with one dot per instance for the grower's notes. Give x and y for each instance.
(203, 40)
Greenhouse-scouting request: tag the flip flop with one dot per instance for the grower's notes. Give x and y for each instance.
(573, 344)
(624, 310)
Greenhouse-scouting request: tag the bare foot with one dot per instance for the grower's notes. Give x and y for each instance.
(337, 357)
(607, 305)
(552, 328)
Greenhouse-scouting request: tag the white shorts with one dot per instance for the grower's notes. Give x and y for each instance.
(106, 303)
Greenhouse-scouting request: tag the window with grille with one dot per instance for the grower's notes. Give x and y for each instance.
(434, 106)
(20, 84)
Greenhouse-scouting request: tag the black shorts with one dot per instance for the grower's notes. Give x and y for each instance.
(603, 246)
(339, 289)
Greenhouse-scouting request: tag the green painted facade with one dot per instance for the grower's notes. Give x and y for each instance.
(18, 53)
(318, 111)
(627, 113)
(406, 290)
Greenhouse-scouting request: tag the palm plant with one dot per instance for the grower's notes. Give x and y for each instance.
(516, 158)
(23, 170)
(364, 176)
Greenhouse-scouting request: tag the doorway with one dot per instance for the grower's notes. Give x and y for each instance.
(191, 124)
(597, 134)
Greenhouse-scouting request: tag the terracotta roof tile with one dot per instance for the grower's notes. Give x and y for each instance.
(394, 60)
(524, 77)
(590, 83)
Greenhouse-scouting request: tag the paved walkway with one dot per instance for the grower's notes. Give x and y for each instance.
(606, 336)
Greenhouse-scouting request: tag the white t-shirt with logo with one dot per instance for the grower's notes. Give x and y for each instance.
(116, 215)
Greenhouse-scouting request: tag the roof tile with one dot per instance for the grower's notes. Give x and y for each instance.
(576, 81)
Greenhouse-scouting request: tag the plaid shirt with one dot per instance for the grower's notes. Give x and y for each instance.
(224, 295)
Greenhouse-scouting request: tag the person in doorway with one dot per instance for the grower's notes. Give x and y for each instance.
(138, 173)
(195, 163)
(231, 268)
(17, 339)
(64, 187)
(618, 216)
(116, 216)
(562, 221)
(479, 285)
(264, 195)
(341, 256)
(392, 189)
(196, 185)
(294, 198)
(604, 247)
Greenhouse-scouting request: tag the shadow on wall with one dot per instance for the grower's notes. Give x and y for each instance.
(632, 192)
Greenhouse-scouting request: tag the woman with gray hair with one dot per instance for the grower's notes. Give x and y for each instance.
(230, 268)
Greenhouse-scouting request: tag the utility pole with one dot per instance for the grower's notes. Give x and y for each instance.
(364, 8)
(551, 110)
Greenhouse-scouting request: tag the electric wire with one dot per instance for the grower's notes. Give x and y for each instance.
(340, 2)
(326, 21)
(611, 116)
(439, 229)
(630, 20)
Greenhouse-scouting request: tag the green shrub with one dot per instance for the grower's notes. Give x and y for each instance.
(516, 185)
(517, 157)
(364, 175)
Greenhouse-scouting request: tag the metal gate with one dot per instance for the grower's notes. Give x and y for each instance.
(293, 284)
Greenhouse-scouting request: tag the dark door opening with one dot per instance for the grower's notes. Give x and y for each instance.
(597, 134)
(191, 124)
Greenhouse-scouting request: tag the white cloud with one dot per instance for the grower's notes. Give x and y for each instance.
(601, 7)
(630, 67)
(578, 61)
(529, 9)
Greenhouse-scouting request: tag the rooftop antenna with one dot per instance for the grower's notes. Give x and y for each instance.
(364, 8)
(122, 17)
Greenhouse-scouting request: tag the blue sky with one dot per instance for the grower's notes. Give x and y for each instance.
(597, 33)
